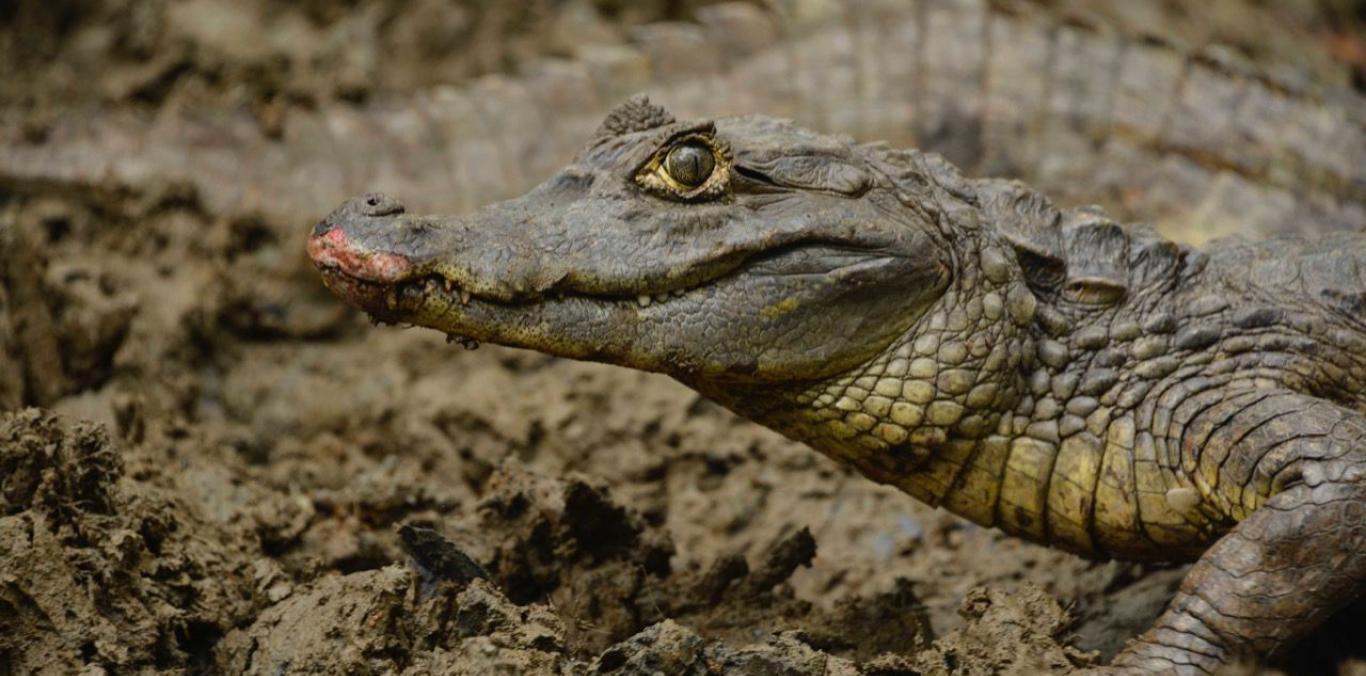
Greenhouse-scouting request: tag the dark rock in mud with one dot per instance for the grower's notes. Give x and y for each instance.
(438, 557)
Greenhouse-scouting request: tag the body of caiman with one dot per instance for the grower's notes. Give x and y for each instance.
(1070, 380)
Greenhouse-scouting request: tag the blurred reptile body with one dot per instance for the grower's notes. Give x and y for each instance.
(1070, 380)
(1191, 138)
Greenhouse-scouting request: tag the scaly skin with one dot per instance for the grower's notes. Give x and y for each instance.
(1192, 140)
(1072, 381)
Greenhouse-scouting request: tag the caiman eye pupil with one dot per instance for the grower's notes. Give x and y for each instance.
(690, 164)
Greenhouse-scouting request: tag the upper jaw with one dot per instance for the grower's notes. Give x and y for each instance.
(370, 240)
(333, 245)
(387, 263)
(331, 252)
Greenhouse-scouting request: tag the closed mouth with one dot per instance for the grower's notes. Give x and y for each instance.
(388, 299)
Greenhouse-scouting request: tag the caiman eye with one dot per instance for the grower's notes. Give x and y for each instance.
(690, 164)
(693, 168)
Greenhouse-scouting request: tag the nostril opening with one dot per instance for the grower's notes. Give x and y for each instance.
(376, 204)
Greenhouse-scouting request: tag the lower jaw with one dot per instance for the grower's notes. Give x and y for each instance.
(462, 319)
(573, 327)
(377, 300)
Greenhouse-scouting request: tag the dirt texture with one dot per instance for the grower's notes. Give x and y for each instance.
(209, 465)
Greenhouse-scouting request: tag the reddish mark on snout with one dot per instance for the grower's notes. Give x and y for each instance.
(333, 249)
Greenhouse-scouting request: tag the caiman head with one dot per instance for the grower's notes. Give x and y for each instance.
(738, 254)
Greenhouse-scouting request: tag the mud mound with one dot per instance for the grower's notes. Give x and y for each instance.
(610, 604)
(102, 567)
(1005, 633)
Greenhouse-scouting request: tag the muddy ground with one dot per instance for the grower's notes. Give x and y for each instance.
(208, 465)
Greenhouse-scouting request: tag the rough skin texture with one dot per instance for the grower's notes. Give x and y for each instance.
(1067, 379)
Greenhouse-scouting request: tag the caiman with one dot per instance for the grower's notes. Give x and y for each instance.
(1068, 379)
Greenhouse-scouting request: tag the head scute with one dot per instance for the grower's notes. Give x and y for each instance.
(634, 114)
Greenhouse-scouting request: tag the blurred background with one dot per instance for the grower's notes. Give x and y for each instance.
(204, 456)
(275, 52)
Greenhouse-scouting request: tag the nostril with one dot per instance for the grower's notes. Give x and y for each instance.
(378, 204)
(358, 210)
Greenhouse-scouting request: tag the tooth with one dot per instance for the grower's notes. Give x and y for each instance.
(450, 286)
(465, 341)
(464, 296)
(661, 297)
(643, 300)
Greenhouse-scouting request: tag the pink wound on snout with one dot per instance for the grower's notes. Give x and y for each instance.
(334, 249)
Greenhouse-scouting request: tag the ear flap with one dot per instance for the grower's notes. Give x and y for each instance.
(634, 114)
(1079, 254)
(1031, 224)
(1097, 256)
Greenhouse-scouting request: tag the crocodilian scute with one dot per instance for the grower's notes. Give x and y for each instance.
(634, 114)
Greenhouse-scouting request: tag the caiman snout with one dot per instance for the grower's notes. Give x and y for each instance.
(369, 205)
(335, 244)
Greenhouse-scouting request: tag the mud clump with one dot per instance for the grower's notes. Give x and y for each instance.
(1006, 633)
(97, 568)
(569, 544)
(387, 620)
(607, 574)
(552, 576)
